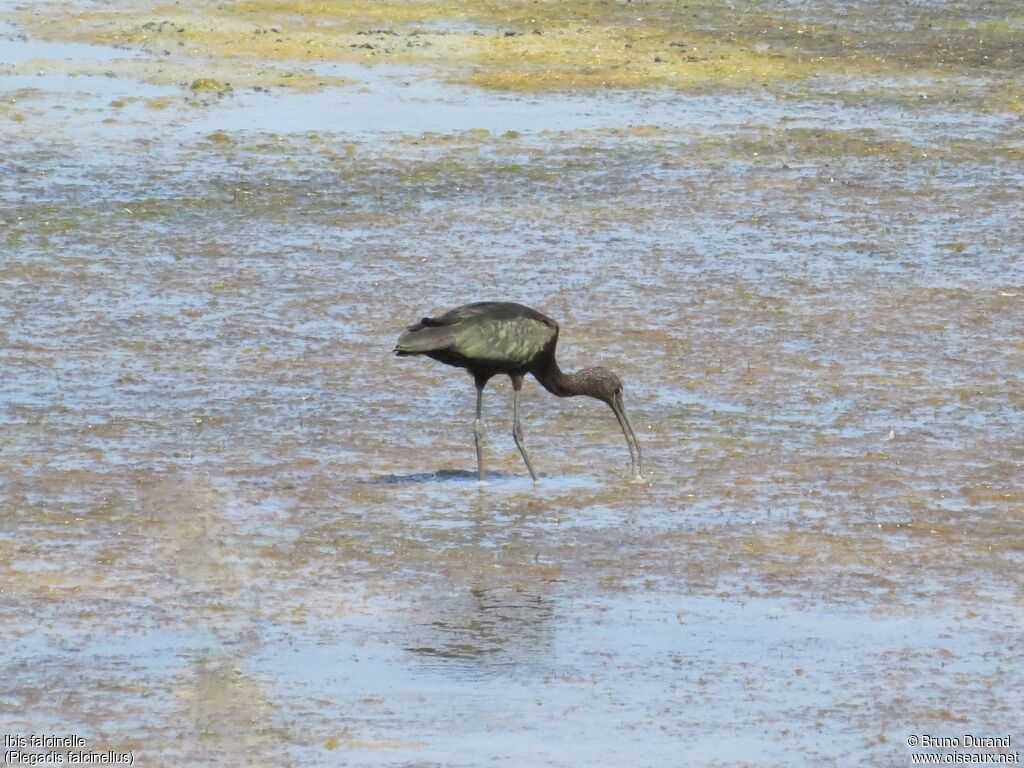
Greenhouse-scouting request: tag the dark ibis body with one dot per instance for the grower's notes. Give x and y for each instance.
(492, 338)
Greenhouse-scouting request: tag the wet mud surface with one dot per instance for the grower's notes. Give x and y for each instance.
(234, 529)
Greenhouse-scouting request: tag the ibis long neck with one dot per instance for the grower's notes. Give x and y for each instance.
(562, 384)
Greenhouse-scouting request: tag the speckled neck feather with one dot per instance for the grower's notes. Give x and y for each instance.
(561, 384)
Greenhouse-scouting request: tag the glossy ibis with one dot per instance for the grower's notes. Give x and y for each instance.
(492, 338)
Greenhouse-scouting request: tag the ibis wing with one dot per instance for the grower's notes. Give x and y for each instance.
(501, 336)
(504, 343)
(420, 340)
(430, 334)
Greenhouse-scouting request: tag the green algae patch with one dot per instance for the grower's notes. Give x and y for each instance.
(796, 143)
(1005, 97)
(558, 46)
(207, 77)
(209, 85)
(219, 137)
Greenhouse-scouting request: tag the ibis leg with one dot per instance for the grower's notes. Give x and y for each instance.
(478, 429)
(517, 430)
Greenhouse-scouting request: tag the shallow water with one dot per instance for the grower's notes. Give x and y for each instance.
(235, 529)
